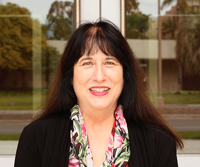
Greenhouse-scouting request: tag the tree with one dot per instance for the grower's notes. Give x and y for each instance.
(182, 5)
(187, 37)
(16, 41)
(15, 38)
(137, 25)
(60, 20)
(131, 5)
(170, 24)
(187, 46)
(169, 27)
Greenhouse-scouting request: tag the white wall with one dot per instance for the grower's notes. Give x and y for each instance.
(189, 160)
(184, 160)
(7, 160)
(148, 48)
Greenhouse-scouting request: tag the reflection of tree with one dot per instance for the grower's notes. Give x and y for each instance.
(169, 27)
(188, 45)
(15, 40)
(16, 45)
(181, 5)
(59, 20)
(170, 24)
(185, 30)
(131, 5)
(137, 25)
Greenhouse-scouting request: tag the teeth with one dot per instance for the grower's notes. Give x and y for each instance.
(99, 89)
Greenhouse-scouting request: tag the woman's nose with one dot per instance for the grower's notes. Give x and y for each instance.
(99, 73)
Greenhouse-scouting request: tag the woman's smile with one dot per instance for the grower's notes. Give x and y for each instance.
(99, 91)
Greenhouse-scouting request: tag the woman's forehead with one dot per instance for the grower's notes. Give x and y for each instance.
(95, 52)
(95, 55)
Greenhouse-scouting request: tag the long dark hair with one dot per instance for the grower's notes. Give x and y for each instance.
(105, 36)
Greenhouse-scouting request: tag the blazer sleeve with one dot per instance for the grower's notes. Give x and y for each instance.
(166, 155)
(28, 151)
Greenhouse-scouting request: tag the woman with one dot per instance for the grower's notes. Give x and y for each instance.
(97, 112)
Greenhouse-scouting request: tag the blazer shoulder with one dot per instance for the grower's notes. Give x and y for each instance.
(151, 146)
(47, 122)
(151, 133)
(163, 136)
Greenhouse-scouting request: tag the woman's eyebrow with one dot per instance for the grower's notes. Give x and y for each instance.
(86, 58)
(111, 58)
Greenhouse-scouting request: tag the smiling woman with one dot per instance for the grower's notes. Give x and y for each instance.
(97, 112)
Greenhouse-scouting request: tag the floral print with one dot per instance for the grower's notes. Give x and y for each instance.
(118, 152)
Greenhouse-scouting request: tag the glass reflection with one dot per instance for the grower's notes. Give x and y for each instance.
(32, 38)
(180, 52)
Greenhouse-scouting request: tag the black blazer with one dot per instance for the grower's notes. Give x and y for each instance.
(46, 142)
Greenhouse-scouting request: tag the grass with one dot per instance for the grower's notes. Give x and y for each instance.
(189, 135)
(183, 135)
(9, 136)
(182, 97)
(18, 99)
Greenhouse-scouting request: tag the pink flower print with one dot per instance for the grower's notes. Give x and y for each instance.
(113, 165)
(110, 142)
(73, 162)
(122, 122)
(118, 141)
(109, 153)
(83, 130)
(117, 110)
(121, 119)
(71, 139)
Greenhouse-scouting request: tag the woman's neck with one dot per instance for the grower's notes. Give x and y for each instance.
(99, 124)
(94, 117)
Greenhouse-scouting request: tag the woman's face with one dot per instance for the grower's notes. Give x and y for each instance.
(98, 81)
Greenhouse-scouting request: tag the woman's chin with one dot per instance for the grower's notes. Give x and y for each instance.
(103, 106)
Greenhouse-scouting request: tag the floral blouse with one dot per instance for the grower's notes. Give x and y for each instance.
(118, 152)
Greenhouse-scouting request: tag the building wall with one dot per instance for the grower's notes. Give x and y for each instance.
(169, 75)
(19, 80)
(16, 80)
(191, 82)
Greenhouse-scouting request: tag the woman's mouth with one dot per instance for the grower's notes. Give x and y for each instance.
(99, 91)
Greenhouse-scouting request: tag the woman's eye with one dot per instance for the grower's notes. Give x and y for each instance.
(87, 63)
(109, 63)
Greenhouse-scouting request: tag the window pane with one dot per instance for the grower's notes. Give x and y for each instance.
(32, 38)
(180, 52)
